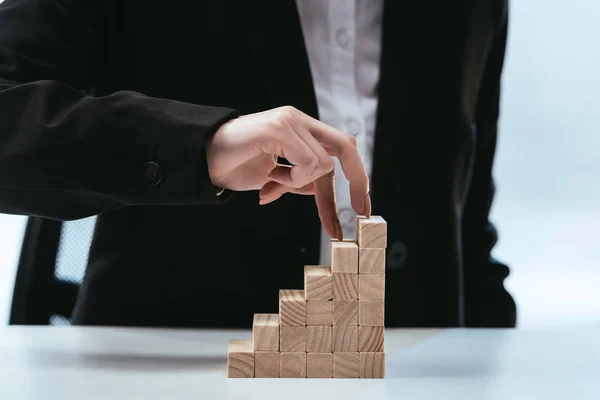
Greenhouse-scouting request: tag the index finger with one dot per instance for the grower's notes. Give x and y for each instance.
(344, 147)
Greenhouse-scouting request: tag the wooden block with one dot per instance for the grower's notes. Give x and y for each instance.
(345, 338)
(371, 287)
(371, 232)
(240, 359)
(371, 261)
(319, 339)
(319, 365)
(346, 365)
(265, 332)
(318, 312)
(345, 312)
(292, 308)
(345, 285)
(371, 312)
(372, 365)
(293, 365)
(266, 364)
(317, 283)
(371, 338)
(292, 338)
(344, 256)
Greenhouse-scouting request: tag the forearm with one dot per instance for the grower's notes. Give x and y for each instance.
(67, 155)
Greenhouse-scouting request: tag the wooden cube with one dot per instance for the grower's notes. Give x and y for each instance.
(371, 261)
(292, 338)
(371, 287)
(319, 339)
(371, 232)
(344, 256)
(319, 365)
(345, 285)
(371, 339)
(346, 365)
(345, 338)
(292, 308)
(318, 312)
(240, 358)
(372, 365)
(265, 332)
(266, 364)
(371, 312)
(345, 312)
(317, 283)
(293, 365)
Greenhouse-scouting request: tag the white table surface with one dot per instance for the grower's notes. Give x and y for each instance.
(67, 363)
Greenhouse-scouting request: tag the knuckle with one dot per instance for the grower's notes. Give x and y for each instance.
(278, 124)
(352, 142)
(286, 113)
(328, 164)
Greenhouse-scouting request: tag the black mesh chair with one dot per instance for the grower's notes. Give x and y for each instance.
(51, 266)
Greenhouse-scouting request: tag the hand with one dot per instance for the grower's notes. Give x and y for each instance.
(243, 155)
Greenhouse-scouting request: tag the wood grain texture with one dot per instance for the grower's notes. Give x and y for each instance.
(292, 338)
(319, 339)
(293, 365)
(344, 256)
(371, 312)
(346, 365)
(345, 285)
(319, 365)
(265, 332)
(372, 365)
(371, 338)
(345, 338)
(266, 364)
(317, 283)
(345, 312)
(371, 287)
(371, 261)
(292, 308)
(240, 358)
(319, 312)
(371, 232)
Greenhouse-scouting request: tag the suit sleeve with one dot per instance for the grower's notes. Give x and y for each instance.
(65, 154)
(487, 303)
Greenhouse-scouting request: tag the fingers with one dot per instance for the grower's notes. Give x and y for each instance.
(272, 191)
(345, 148)
(309, 159)
(325, 199)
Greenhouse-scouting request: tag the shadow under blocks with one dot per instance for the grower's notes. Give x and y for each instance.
(334, 328)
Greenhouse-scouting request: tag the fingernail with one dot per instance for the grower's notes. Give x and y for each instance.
(339, 234)
(367, 211)
(262, 202)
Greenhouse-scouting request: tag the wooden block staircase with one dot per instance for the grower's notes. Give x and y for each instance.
(334, 328)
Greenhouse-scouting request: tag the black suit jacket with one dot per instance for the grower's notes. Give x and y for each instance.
(105, 106)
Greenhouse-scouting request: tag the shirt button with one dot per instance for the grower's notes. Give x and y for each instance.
(343, 38)
(353, 127)
(153, 173)
(346, 217)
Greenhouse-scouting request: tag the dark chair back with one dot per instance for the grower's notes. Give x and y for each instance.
(51, 266)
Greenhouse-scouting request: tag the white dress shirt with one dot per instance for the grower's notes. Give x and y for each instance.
(343, 42)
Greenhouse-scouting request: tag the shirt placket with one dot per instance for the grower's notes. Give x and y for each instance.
(344, 90)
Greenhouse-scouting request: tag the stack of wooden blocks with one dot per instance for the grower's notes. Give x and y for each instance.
(334, 328)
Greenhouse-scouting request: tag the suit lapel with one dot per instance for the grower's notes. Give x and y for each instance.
(277, 46)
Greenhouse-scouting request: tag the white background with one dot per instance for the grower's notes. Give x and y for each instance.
(547, 206)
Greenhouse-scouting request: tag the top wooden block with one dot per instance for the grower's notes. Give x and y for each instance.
(344, 256)
(317, 283)
(371, 232)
